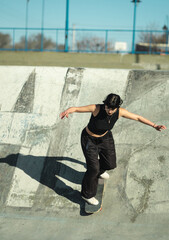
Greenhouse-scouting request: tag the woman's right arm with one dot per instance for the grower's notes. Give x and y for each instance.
(88, 108)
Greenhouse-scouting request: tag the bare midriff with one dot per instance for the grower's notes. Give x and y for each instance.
(93, 134)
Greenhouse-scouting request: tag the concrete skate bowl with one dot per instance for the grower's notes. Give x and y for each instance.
(41, 161)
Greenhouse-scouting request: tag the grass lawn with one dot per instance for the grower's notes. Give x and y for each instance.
(92, 60)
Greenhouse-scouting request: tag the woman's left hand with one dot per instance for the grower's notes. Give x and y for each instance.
(160, 127)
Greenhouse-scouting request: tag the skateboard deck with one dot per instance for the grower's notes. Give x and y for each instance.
(89, 208)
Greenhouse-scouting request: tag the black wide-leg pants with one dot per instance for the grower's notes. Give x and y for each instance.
(100, 156)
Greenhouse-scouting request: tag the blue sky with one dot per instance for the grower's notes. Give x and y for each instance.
(91, 14)
(85, 13)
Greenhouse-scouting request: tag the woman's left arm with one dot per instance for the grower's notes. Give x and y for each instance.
(126, 114)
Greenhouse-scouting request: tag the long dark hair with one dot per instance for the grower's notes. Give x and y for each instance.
(113, 101)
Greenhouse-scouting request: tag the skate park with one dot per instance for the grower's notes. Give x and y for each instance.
(58, 54)
(42, 165)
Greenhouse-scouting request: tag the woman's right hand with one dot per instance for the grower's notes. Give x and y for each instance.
(66, 113)
(88, 108)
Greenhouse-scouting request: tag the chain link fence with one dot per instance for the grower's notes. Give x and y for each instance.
(84, 40)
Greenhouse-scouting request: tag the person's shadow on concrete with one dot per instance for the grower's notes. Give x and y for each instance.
(51, 167)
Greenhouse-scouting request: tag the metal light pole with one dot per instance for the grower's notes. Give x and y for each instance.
(26, 26)
(134, 24)
(74, 37)
(67, 27)
(167, 21)
(42, 23)
(167, 32)
(165, 28)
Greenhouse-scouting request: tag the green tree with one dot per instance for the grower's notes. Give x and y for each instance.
(5, 40)
(93, 44)
(34, 42)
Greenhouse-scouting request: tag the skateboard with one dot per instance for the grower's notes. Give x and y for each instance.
(89, 208)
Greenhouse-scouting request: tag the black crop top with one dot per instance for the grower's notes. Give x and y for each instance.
(102, 122)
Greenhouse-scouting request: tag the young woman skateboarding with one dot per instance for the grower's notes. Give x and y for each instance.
(97, 140)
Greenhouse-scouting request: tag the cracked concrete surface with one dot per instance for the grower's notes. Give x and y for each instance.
(42, 165)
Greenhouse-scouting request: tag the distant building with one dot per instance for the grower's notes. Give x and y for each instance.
(152, 48)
